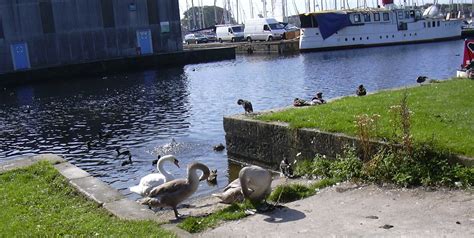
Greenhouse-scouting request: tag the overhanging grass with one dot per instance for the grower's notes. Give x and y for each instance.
(442, 114)
(38, 201)
(235, 211)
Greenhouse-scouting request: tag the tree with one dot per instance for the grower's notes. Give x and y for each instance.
(223, 16)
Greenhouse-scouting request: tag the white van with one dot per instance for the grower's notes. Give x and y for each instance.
(229, 33)
(267, 29)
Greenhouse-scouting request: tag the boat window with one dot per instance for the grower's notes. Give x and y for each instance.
(407, 14)
(367, 37)
(356, 18)
(400, 15)
(366, 17)
(386, 17)
(308, 21)
(434, 24)
(438, 23)
(376, 16)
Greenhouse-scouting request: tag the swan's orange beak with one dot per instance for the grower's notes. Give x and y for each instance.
(176, 162)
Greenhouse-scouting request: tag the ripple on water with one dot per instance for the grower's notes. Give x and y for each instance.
(144, 111)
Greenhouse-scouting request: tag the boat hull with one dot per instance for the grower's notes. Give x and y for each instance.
(381, 34)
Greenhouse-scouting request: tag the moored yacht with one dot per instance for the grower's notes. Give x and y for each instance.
(390, 25)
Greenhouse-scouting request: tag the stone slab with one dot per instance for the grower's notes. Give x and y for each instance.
(70, 171)
(52, 158)
(16, 164)
(130, 210)
(96, 190)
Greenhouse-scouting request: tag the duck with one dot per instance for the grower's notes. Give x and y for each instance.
(219, 147)
(421, 79)
(212, 177)
(256, 183)
(150, 181)
(172, 193)
(285, 168)
(124, 153)
(247, 105)
(129, 161)
(232, 193)
(361, 91)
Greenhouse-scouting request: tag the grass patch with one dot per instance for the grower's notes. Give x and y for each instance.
(235, 211)
(421, 168)
(292, 192)
(38, 201)
(441, 111)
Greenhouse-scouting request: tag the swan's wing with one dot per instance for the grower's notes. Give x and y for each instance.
(233, 184)
(169, 188)
(152, 180)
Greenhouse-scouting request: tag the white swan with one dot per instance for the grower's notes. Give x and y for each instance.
(153, 180)
(172, 193)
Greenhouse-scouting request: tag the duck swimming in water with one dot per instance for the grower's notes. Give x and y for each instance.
(172, 193)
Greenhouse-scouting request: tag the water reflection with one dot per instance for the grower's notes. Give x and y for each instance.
(85, 120)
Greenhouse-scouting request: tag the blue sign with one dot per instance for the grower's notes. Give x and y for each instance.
(20, 57)
(144, 41)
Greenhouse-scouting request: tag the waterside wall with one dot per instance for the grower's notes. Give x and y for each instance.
(267, 143)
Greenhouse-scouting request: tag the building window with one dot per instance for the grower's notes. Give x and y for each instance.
(356, 18)
(407, 14)
(47, 17)
(434, 24)
(377, 16)
(429, 25)
(424, 24)
(386, 17)
(108, 17)
(366, 17)
(438, 23)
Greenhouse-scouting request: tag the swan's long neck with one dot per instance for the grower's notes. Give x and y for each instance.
(243, 183)
(193, 177)
(161, 169)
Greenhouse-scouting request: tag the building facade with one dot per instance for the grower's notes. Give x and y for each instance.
(48, 33)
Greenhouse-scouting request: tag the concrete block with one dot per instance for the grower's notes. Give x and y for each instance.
(96, 190)
(130, 210)
(15, 164)
(52, 158)
(70, 171)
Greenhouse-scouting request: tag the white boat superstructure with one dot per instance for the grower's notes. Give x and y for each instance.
(373, 27)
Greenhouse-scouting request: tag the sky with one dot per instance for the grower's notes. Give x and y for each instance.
(300, 4)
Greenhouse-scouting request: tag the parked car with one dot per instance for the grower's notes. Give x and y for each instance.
(211, 36)
(195, 38)
(230, 33)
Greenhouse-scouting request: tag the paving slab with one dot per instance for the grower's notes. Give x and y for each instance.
(69, 171)
(52, 158)
(16, 164)
(130, 210)
(96, 190)
(368, 211)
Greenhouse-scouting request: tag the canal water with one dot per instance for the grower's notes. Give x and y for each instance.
(179, 111)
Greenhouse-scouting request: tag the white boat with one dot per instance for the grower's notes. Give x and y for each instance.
(375, 26)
